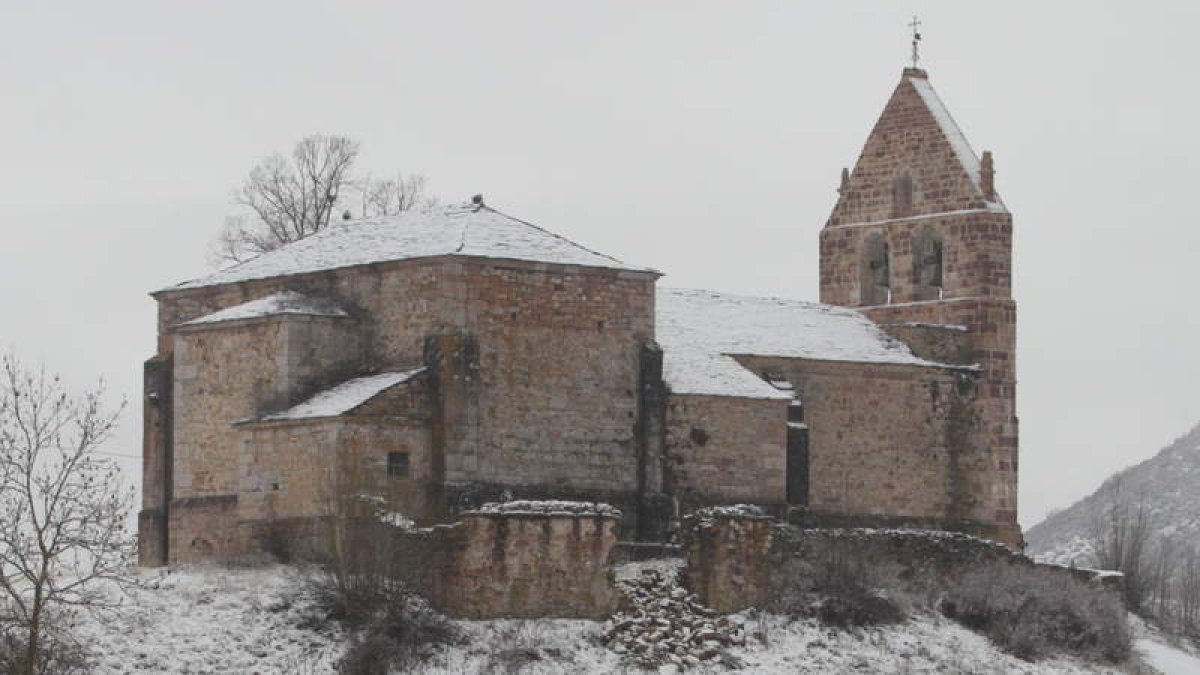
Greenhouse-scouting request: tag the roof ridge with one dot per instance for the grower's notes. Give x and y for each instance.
(547, 232)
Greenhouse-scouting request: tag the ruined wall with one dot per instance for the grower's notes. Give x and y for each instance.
(529, 565)
(737, 562)
(885, 439)
(723, 449)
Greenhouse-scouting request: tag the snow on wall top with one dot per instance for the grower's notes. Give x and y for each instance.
(342, 398)
(468, 230)
(699, 330)
(287, 302)
(954, 135)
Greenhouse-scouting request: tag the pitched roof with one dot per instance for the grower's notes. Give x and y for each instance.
(343, 398)
(914, 135)
(466, 230)
(950, 129)
(699, 330)
(287, 302)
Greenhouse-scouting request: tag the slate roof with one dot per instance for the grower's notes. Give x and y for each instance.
(699, 330)
(472, 230)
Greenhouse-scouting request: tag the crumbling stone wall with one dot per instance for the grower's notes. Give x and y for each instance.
(507, 565)
(739, 561)
(542, 565)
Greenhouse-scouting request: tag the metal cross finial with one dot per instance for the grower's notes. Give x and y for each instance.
(916, 41)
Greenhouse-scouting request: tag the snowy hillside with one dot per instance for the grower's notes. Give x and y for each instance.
(1168, 484)
(258, 620)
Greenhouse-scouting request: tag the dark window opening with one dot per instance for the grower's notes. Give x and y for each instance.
(397, 464)
(797, 464)
(795, 412)
(876, 282)
(927, 265)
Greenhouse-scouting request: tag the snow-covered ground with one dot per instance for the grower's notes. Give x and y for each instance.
(258, 620)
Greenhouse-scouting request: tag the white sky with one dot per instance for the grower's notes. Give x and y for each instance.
(702, 138)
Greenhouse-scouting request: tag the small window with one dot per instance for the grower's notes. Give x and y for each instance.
(397, 464)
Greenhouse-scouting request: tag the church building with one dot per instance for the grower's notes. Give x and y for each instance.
(431, 362)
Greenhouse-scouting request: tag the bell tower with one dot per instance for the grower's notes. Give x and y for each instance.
(919, 236)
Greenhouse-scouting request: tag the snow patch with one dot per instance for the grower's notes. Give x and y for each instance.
(701, 330)
(344, 397)
(287, 302)
(555, 507)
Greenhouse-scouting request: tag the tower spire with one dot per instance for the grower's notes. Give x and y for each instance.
(915, 25)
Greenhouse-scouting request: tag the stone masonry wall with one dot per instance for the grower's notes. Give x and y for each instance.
(723, 450)
(738, 562)
(204, 528)
(229, 372)
(530, 566)
(907, 138)
(976, 257)
(558, 354)
(885, 439)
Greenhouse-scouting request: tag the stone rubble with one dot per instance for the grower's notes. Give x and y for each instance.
(664, 623)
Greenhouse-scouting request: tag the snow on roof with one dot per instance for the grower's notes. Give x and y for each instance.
(957, 139)
(699, 330)
(342, 398)
(287, 302)
(467, 230)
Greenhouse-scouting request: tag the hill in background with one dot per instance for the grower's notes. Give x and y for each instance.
(1168, 485)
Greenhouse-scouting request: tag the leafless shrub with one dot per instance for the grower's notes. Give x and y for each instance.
(1034, 614)
(516, 646)
(62, 512)
(1121, 540)
(841, 588)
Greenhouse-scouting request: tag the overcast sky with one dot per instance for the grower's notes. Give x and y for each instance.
(701, 138)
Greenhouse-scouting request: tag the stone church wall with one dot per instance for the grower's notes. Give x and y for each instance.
(885, 439)
(722, 449)
(906, 139)
(976, 257)
(556, 397)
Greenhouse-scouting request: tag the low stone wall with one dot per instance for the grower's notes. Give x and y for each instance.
(518, 564)
(530, 565)
(741, 560)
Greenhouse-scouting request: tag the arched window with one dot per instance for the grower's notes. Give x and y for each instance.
(927, 265)
(876, 280)
(902, 195)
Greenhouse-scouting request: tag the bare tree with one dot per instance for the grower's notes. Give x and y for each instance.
(393, 196)
(286, 200)
(62, 510)
(1120, 537)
